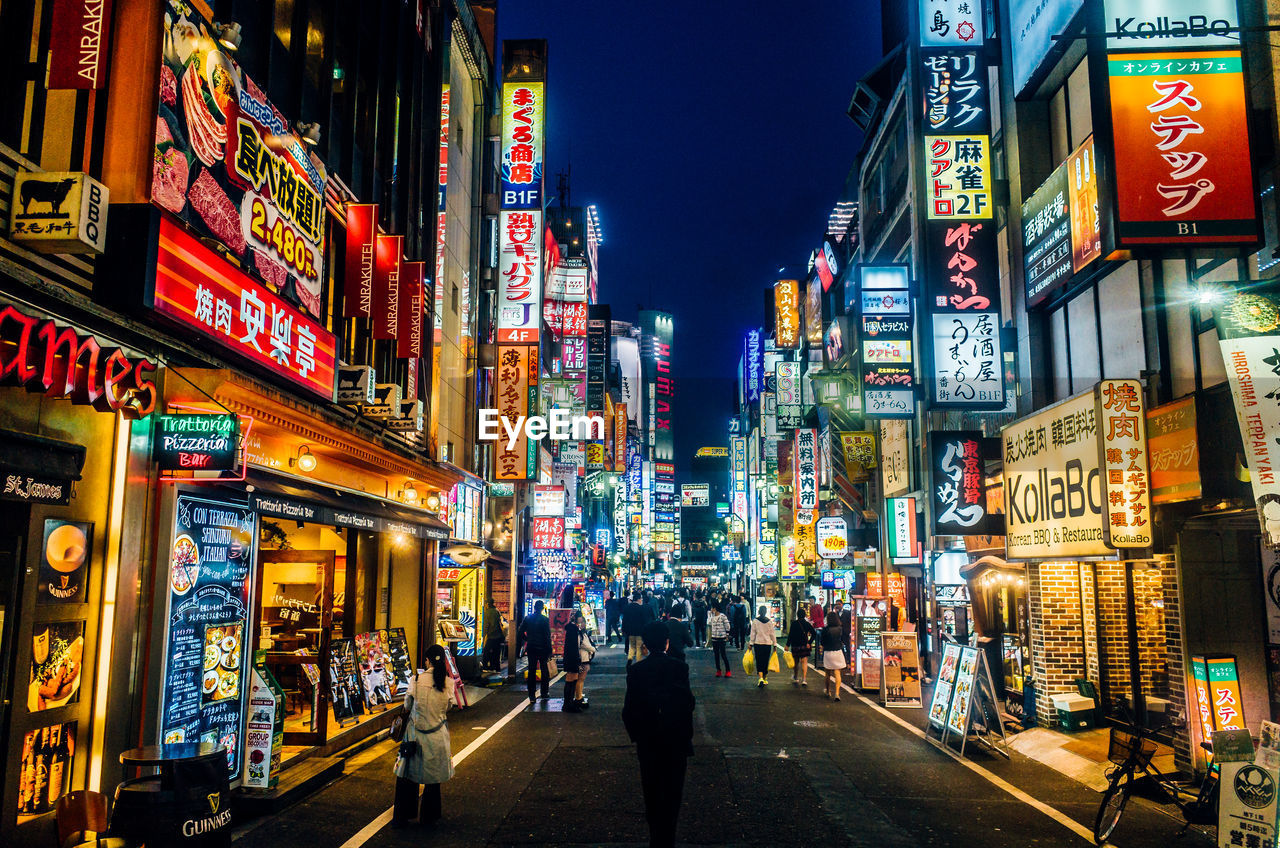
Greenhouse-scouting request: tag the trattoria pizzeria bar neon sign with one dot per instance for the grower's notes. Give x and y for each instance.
(60, 361)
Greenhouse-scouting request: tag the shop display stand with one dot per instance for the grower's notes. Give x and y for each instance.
(972, 711)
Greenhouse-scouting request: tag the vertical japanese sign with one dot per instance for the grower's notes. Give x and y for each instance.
(515, 380)
(955, 92)
(519, 275)
(806, 471)
(959, 486)
(597, 358)
(522, 144)
(958, 177)
(1061, 227)
(547, 533)
(887, 317)
(1122, 427)
(790, 398)
(786, 302)
(858, 451)
(1249, 336)
(967, 360)
(660, 328)
(386, 286)
(357, 289)
(738, 475)
(1174, 452)
(442, 196)
(903, 541)
(1184, 173)
(962, 271)
(1086, 223)
(951, 23)
(753, 364)
(620, 437)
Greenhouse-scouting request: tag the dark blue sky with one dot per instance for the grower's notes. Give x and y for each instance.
(713, 138)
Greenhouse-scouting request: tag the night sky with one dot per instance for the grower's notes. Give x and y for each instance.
(713, 138)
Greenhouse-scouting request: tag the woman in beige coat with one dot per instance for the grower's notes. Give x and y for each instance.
(425, 754)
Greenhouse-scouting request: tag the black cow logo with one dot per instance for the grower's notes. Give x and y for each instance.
(52, 193)
(1254, 787)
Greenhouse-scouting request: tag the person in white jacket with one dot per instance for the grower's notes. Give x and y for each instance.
(763, 641)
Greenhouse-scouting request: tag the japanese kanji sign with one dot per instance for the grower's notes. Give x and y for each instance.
(1086, 223)
(1249, 336)
(904, 542)
(959, 484)
(858, 451)
(955, 92)
(1182, 161)
(958, 176)
(546, 533)
(522, 141)
(962, 273)
(1053, 491)
(515, 381)
(790, 409)
(1046, 237)
(887, 362)
(947, 23)
(201, 290)
(519, 276)
(786, 300)
(1122, 430)
(805, 479)
(753, 364)
(967, 367)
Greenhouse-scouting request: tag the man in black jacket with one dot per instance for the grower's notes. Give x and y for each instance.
(658, 714)
(536, 632)
(634, 619)
(678, 636)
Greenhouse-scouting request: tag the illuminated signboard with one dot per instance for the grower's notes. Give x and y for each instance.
(202, 291)
(1179, 24)
(1219, 704)
(955, 92)
(959, 176)
(1032, 27)
(1086, 224)
(442, 222)
(967, 359)
(786, 301)
(362, 226)
(711, 452)
(753, 364)
(959, 484)
(887, 364)
(805, 471)
(547, 533)
(1122, 428)
(548, 501)
(516, 385)
(196, 442)
(1184, 173)
(903, 538)
(522, 142)
(951, 23)
(790, 406)
(660, 328)
(832, 537)
(1061, 228)
(519, 275)
(229, 165)
(695, 494)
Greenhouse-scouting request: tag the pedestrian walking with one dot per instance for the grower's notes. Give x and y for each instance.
(634, 618)
(495, 634)
(818, 618)
(678, 635)
(833, 660)
(699, 621)
(718, 630)
(846, 631)
(536, 632)
(740, 622)
(586, 653)
(763, 642)
(425, 758)
(610, 617)
(658, 714)
(571, 661)
(800, 639)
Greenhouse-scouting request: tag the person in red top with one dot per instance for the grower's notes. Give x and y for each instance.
(818, 618)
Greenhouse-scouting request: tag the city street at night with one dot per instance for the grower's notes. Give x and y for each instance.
(780, 766)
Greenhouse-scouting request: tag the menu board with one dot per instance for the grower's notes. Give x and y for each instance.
(868, 649)
(901, 664)
(344, 680)
(401, 662)
(210, 563)
(374, 667)
(962, 699)
(946, 682)
(57, 660)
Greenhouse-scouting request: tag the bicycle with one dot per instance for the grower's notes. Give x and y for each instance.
(1131, 749)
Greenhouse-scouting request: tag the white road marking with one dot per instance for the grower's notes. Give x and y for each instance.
(367, 832)
(1000, 783)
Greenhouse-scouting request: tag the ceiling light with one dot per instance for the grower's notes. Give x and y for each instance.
(228, 35)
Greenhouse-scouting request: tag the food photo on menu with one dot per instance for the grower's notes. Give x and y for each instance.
(57, 660)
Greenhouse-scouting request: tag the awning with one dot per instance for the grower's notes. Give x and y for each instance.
(288, 497)
(974, 569)
(37, 469)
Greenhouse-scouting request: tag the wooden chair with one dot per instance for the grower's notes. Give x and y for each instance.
(82, 815)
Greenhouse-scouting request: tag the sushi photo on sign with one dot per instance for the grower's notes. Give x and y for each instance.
(228, 164)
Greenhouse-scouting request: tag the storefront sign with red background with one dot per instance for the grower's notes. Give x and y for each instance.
(546, 533)
(201, 290)
(388, 255)
(362, 225)
(78, 43)
(1182, 163)
(409, 306)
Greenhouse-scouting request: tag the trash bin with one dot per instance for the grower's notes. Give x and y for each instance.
(186, 803)
(1075, 712)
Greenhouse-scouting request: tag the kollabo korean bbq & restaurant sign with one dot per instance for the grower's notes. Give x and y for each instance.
(1069, 490)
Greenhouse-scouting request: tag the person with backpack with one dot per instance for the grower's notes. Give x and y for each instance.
(536, 633)
(833, 661)
(678, 636)
(658, 714)
(634, 618)
(718, 630)
(740, 622)
(800, 639)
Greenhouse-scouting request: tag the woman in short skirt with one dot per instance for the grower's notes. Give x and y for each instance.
(832, 654)
(800, 639)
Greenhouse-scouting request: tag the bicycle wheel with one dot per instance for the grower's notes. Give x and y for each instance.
(1112, 807)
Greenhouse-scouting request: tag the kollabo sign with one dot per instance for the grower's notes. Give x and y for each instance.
(1171, 24)
(1053, 490)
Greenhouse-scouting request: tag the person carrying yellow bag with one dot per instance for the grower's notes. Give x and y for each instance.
(800, 639)
(763, 643)
(749, 661)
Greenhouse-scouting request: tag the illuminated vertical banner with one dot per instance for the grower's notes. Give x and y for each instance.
(388, 256)
(790, 409)
(515, 378)
(442, 191)
(753, 364)
(620, 438)
(519, 276)
(959, 484)
(412, 282)
(786, 303)
(520, 222)
(658, 332)
(1121, 414)
(886, 314)
(806, 470)
(738, 475)
(522, 142)
(357, 288)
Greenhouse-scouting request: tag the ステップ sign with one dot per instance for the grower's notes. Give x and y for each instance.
(1184, 174)
(202, 291)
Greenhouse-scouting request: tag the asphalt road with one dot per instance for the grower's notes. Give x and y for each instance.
(778, 766)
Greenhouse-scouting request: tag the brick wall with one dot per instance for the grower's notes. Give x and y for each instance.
(1175, 657)
(1057, 655)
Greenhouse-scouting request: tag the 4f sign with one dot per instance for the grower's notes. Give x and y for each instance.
(902, 528)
